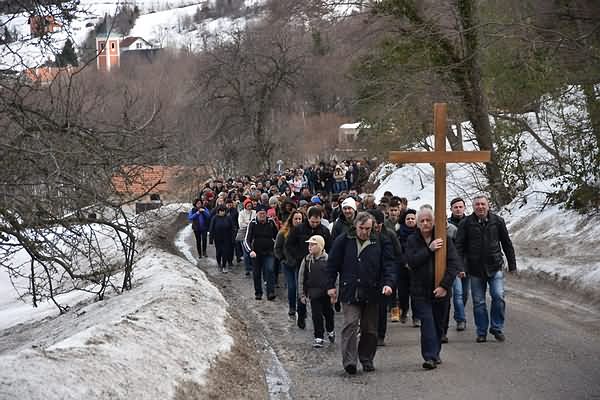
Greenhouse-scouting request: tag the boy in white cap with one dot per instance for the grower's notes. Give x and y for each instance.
(312, 284)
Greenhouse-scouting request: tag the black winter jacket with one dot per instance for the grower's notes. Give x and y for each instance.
(481, 242)
(260, 237)
(421, 262)
(312, 277)
(295, 245)
(362, 276)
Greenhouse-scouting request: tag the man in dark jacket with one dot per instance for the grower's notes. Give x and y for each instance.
(480, 241)
(430, 301)
(296, 248)
(364, 262)
(460, 289)
(345, 221)
(259, 243)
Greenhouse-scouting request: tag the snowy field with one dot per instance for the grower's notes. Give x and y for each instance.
(168, 330)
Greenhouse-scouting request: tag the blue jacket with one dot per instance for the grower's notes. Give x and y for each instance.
(200, 220)
(362, 276)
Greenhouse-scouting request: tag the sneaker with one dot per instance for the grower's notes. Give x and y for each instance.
(437, 361)
(291, 313)
(481, 339)
(395, 314)
(416, 322)
(318, 343)
(444, 339)
(499, 336)
(461, 325)
(380, 341)
(368, 367)
(301, 322)
(429, 364)
(331, 336)
(350, 369)
(224, 270)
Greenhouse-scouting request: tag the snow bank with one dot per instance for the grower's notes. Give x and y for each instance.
(165, 331)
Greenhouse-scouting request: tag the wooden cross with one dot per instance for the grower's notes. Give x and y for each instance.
(440, 157)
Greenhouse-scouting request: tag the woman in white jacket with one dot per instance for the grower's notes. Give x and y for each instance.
(244, 218)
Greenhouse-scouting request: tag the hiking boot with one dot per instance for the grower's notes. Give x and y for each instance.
(331, 336)
(461, 326)
(429, 364)
(481, 339)
(416, 322)
(444, 339)
(350, 369)
(380, 341)
(318, 343)
(301, 322)
(395, 314)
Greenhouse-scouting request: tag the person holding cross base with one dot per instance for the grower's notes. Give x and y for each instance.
(478, 241)
(430, 301)
(365, 264)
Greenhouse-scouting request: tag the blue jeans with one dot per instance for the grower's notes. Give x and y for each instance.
(433, 317)
(246, 256)
(478, 290)
(294, 303)
(460, 295)
(263, 270)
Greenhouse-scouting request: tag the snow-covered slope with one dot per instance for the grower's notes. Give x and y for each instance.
(160, 22)
(141, 344)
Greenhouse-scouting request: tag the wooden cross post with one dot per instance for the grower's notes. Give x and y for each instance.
(440, 157)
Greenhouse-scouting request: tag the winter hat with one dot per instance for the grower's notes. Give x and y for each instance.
(409, 211)
(261, 207)
(315, 200)
(318, 240)
(349, 202)
(377, 214)
(247, 201)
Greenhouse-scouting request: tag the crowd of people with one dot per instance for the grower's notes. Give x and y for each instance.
(343, 252)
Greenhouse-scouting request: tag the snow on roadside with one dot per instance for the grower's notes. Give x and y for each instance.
(166, 331)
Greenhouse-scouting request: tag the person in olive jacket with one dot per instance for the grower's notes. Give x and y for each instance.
(430, 301)
(480, 241)
(365, 264)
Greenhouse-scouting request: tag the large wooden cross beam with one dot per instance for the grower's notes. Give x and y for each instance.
(440, 157)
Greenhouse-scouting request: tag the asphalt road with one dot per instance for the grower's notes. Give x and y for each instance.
(552, 350)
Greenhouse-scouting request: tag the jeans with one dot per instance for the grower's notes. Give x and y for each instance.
(263, 270)
(480, 314)
(460, 290)
(294, 303)
(432, 316)
(246, 256)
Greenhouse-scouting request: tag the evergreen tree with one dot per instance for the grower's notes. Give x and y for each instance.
(67, 56)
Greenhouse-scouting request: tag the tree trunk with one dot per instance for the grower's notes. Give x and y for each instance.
(475, 99)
